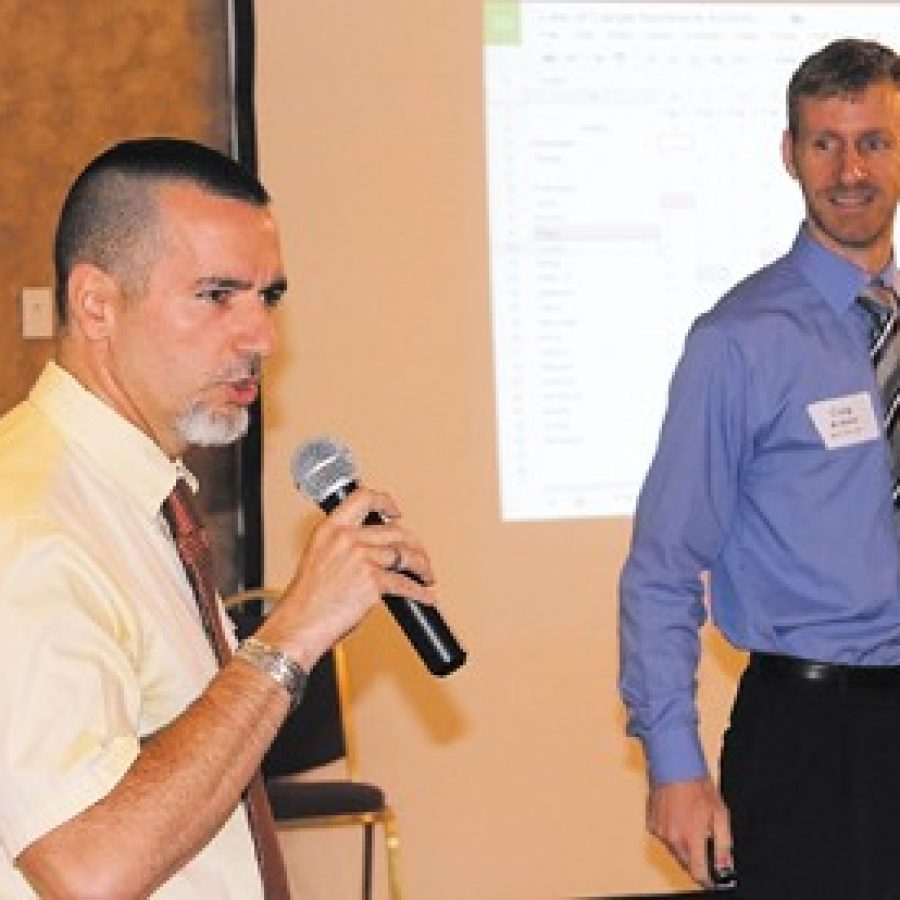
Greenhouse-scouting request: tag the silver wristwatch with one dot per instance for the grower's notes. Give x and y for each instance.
(277, 665)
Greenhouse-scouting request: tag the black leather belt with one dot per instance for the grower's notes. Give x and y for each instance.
(790, 668)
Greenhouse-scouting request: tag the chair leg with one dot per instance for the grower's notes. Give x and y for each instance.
(367, 861)
(392, 845)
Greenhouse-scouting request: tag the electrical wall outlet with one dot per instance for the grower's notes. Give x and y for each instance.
(37, 312)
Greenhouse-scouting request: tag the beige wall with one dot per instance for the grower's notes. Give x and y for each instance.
(512, 778)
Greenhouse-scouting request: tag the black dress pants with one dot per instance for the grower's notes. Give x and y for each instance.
(811, 776)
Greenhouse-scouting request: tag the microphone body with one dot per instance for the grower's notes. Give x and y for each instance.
(422, 623)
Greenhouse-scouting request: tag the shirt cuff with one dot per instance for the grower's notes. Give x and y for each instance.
(675, 756)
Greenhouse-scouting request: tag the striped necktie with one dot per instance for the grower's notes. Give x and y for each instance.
(880, 302)
(192, 544)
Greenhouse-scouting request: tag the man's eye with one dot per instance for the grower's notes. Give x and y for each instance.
(272, 297)
(825, 143)
(874, 142)
(216, 296)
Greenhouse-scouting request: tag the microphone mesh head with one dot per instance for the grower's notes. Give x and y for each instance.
(321, 466)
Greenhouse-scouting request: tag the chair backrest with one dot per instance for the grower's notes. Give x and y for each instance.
(315, 733)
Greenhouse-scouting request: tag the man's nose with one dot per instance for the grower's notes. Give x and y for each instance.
(853, 166)
(255, 330)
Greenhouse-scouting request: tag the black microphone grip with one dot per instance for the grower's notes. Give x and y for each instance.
(422, 623)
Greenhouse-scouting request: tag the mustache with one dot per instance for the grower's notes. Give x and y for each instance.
(247, 369)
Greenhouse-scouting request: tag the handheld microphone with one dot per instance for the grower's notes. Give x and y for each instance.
(323, 469)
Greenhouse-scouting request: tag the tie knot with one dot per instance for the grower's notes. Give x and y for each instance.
(180, 511)
(192, 543)
(878, 299)
(880, 302)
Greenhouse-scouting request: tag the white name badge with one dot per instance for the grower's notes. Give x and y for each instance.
(844, 421)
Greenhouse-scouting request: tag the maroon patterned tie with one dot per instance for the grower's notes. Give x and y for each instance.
(192, 543)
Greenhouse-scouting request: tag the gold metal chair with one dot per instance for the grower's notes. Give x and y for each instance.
(321, 803)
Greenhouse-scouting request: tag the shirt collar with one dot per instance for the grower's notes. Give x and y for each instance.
(121, 451)
(838, 280)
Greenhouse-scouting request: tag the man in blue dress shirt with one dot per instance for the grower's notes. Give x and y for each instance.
(773, 475)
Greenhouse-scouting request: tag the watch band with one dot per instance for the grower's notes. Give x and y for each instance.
(277, 665)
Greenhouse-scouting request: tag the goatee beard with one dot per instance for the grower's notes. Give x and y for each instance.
(202, 427)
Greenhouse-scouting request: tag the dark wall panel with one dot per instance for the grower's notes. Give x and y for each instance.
(76, 75)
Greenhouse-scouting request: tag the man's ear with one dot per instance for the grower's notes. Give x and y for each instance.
(93, 300)
(787, 153)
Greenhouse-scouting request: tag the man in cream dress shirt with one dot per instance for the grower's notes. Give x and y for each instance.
(106, 648)
(124, 750)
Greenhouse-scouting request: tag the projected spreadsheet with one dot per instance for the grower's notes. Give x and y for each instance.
(634, 175)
